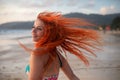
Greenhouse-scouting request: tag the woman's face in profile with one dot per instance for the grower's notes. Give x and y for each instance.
(37, 30)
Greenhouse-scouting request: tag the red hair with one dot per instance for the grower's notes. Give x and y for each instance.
(62, 35)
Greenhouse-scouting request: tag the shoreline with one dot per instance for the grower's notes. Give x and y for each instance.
(13, 60)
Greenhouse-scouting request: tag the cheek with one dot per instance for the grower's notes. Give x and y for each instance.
(40, 33)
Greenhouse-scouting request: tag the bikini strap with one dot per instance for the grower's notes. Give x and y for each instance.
(60, 60)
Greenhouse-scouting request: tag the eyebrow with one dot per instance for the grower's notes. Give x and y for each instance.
(36, 26)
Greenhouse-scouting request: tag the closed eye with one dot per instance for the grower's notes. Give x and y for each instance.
(37, 28)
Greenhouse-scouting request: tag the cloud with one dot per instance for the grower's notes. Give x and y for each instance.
(103, 10)
(73, 2)
(90, 4)
(14, 10)
(108, 10)
(3, 2)
(42, 3)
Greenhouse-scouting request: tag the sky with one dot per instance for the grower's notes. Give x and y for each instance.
(27, 10)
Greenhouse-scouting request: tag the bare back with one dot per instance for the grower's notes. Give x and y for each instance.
(52, 69)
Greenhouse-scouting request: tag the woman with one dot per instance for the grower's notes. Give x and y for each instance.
(53, 35)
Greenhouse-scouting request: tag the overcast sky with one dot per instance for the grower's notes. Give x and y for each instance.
(23, 10)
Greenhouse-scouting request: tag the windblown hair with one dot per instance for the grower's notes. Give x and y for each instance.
(62, 35)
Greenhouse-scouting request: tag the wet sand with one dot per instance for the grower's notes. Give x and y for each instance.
(106, 66)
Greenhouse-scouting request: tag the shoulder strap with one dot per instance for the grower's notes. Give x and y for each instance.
(59, 60)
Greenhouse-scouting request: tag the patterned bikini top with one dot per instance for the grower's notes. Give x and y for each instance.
(53, 77)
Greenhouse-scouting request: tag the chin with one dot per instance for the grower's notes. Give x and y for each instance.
(35, 40)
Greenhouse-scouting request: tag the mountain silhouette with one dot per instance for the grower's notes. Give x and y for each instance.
(93, 18)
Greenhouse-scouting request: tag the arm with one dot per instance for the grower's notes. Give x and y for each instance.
(67, 70)
(37, 66)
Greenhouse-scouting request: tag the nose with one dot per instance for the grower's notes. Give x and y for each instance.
(33, 31)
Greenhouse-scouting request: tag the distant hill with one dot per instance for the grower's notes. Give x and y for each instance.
(17, 25)
(94, 18)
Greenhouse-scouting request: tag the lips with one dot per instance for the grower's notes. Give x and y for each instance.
(35, 36)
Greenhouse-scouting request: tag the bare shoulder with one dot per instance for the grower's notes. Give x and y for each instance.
(39, 55)
(40, 52)
(37, 63)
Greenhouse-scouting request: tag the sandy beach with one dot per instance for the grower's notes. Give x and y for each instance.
(106, 66)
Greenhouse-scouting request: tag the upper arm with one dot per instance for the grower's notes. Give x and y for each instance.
(37, 66)
(67, 69)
